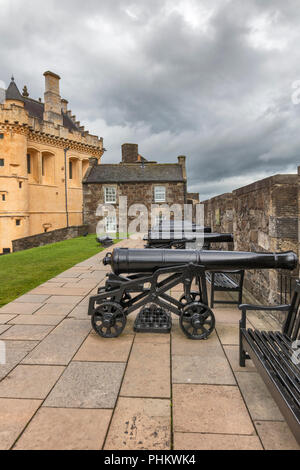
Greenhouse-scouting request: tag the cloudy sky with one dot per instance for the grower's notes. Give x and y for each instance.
(209, 79)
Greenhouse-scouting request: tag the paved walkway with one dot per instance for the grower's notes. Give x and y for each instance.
(64, 387)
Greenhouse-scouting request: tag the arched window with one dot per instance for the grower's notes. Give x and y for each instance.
(32, 165)
(73, 171)
(48, 169)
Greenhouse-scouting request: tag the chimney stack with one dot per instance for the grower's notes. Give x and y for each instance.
(64, 106)
(53, 105)
(93, 161)
(130, 153)
(181, 161)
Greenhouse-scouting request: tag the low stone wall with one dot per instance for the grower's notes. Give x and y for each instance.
(46, 238)
(263, 217)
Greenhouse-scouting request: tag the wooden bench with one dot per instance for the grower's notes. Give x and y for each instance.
(225, 281)
(276, 355)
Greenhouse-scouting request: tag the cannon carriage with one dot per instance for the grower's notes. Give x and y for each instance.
(142, 279)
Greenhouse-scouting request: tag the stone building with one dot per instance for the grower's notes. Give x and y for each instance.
(142, 181)
(38, 192)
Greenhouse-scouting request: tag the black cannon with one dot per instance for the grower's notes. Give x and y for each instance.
(142, 279)
(176, 240)
(172, 225)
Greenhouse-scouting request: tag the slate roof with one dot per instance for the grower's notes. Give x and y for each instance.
(36, 108)
(12, 92)
(129, 173)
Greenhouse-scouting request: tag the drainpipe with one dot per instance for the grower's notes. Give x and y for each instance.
(66, 185)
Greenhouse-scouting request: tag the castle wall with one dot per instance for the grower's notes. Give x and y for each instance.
(263, 217)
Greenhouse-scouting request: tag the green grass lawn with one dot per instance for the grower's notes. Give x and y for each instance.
(25, 270)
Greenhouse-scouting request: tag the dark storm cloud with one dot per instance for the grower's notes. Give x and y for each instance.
(208, 79)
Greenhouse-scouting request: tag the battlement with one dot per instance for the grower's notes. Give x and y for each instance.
(51, 118)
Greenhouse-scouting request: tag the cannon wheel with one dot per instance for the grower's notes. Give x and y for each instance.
(195, 296)
(109, 320)
(197, 321)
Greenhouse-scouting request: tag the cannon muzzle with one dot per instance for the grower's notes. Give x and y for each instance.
(125, 260)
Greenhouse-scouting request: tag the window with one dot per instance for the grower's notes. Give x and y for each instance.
(28, 164)
(47, 168)
(20, 185)
(159, 194)
(111, 224)
(1, 161)
(70, 170)
(1, 136)
(110, 195)
(160, 218)
(18, 222)
(3, 197)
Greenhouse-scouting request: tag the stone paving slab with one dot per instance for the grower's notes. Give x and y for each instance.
(276, 435)
(37, 320)
(212, 409)
(27, 332)
(55, 309)
(229, 333)
(142, 338)
(227, 315)
(31, 298)
(15, 352)
(140, 423)
(65, 429)
(14, 416)
(232, 354)
(65, 299)
(30, 381)
(259, 401)
(61, 344)
(183, 346)
(4, 328)
(148, 371)
(87, 385)
(21, 308)
(63, 291)
(97, 349)
(68, 275)
(52, 283)
(211, 368)
(4, 318)
(80, 312)
(187, 441)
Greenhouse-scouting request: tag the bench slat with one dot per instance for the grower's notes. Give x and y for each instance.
(286, 404)
(277, 366)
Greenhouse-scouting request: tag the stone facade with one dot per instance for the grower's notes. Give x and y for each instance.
(137, 193)
(33, 139)
(263, 217)
(54, 236)
(136, 178)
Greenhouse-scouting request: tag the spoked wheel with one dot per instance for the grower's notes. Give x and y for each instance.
(197, 321)
(109, 320)
(195, 297)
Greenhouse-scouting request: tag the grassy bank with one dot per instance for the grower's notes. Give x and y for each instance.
(25, 270)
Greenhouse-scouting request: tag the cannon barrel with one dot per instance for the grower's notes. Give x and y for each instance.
(178, 225)
(125, 260)
(190, 236)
